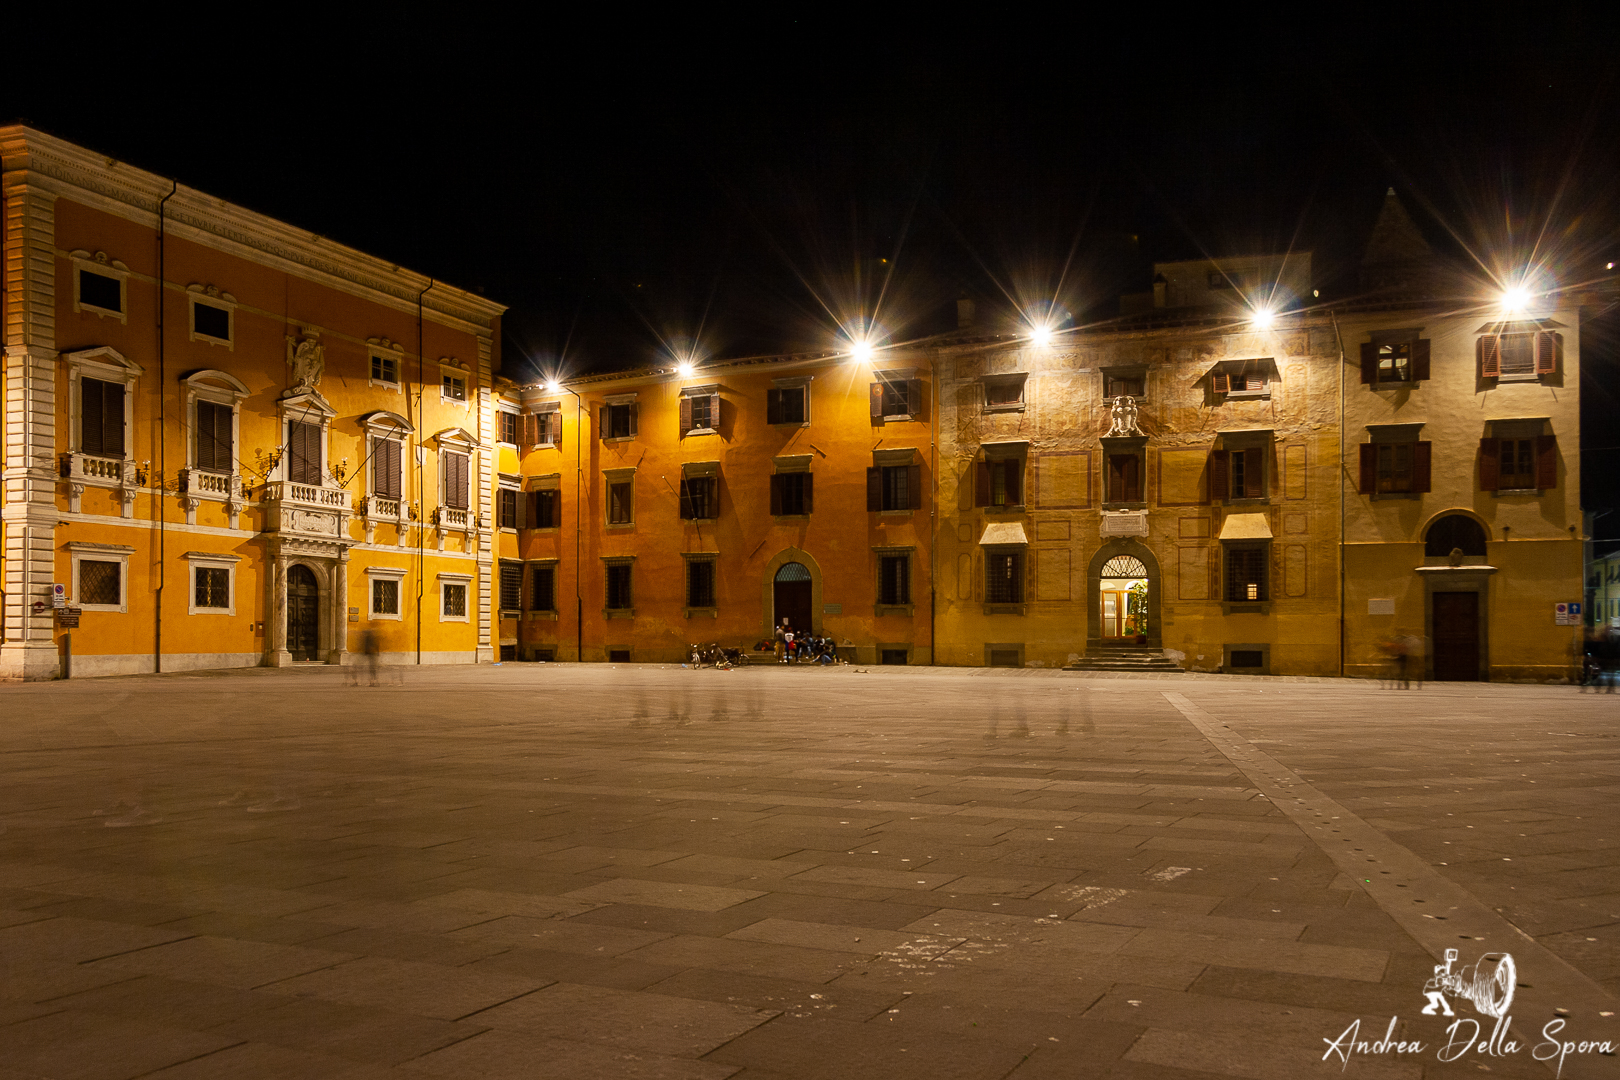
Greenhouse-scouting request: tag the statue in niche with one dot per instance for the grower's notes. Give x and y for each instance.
(307, 358)
(1123, 415)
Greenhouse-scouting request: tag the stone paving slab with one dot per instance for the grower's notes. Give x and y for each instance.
(896, 873)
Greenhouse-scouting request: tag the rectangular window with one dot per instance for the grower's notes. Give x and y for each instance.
(792, 493)
(999, 483)
(385, 472)
(894, 579)
(454, 604)
(894, 487)
(700, 498)
(101, 290)
(544, 429)
(892, 398)
(101, 582)
(786, 405)
(384, 369)
(1004, 391)
(543, 588)
(1395, 468)
(101, 417)
(1246, 574)
(621, 510)
(1246, 378)
(511, 585)
(1237, 474)
(619, 421)
(1518, 464)
(456, 487)
(700, 411)
(546, 509)
(509, 427)
(508, 508)
(700, 584)
(453, 388)
(1124, 478)
(1004, 577)
(618, 587)
(385, 596)
(1122, 385)
(210, 321)
(1518, 468)
(1525, 355)
(213, 587)
(214, 442)
(1395, 362)
(303, 452)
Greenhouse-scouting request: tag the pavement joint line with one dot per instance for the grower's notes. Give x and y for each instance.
(1403, 878)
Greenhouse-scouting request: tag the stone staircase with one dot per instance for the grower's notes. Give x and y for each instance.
(1129, 659)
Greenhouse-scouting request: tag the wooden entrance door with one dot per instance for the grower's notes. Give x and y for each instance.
(1116, 608)
(1456, 636)
(791, 597)
(303, 614)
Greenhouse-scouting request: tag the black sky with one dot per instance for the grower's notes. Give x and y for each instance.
(733, 185)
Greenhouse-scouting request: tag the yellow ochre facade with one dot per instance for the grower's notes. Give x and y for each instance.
(228, 441)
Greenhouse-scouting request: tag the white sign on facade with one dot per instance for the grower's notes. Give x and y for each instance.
(1380, 605)
(1124, 523)
(58, 596)
(1567, 614)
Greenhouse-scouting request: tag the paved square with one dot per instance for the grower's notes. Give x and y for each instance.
(615, 871)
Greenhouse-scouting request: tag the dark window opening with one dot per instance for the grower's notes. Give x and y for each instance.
(895, 657)
(1248, 658)
(99, 290)
(1003, 392)
(618, 587)
(511, 578)
(508, 508)
(214, 443)
(700, 498)
(547, 510)
(1124, 478)
(700, 584)
(791, 493)
(1452, 532)
(384, 596)
(702, 412)
(384, 369)
(1394, 364)
(213, 587)
(894, 580)
(1246, 574)
(99, 582)
(896, 399)
(618, 656)
(543, 588)
(101, 417)
(509, 427)
(455, 601)
(1004, 658)
(1518, 464)
(508, 653)
(894, 487)
(1004, 578)
(785, 405)
(1123, 385)
(619, 503)
(1000, 483)
(210, 321)
(1394, 467)
(618, 421)
(454, 388)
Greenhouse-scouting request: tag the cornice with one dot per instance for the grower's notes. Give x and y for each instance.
(35, 159)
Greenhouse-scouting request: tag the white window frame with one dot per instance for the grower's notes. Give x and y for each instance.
(513, 411)
(381, 425)
(108, 365)
(385, 573)
(209, 296)
(796, 382)
(449, 368)
(712, 392)
(545, 409)
(203, 386)
(82, 551)
(100, 263)
(388, 350)
(609, 478)
(514, 484)
(197, 560)
(464, 582)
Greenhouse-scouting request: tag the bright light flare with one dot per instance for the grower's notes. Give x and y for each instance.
(684, 368)
(1262, 318)
(554, 387)
(861, 350)
(1515, 299)
(1040, 334)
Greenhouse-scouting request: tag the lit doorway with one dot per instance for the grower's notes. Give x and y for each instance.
(1123, 593)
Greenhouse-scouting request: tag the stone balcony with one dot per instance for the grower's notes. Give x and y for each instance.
(379, 510)
(306, 510)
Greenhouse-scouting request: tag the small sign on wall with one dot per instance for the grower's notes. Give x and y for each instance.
(1381, 605)
(1567, 614)
(59, 596)
(67, 618)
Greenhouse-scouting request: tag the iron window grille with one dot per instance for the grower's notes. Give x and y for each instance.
(894, 580)
(384, 596)
(700, 583)
(1004, 577)
(618, 587)
(213, 588)
(511, 580)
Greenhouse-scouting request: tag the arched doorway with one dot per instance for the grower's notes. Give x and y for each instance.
(1456, 597)
(303, 613)
(791, 597)
(1122, 595)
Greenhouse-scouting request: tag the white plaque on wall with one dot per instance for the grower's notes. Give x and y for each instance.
(1124, 523)
(1380, 605)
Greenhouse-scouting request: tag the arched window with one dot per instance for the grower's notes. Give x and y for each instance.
(793, 572)
(1455, 531)
(1124, 566)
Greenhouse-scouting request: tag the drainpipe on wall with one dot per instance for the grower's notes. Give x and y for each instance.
(163, 451)
(416, 423)
(1340, 338)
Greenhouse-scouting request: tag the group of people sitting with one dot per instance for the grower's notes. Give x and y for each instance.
(792, 647)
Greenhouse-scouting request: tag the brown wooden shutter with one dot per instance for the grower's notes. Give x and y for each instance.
(809, 491)
(686, 415)
(457, 487)
(213, 436)
(876, 392)
(521, 509)
(303, 452)
(981, 484)
(1420, 359)
(602, 430)
(635, 411)
(1422, 457)
(1489, 350)
(1369, 363)
(1490, 464)
(1130, 479)
(686, 499)
(914, 486)
(1369, 469)
(916, 408)
(1220, 382)
(1217, 476)
(874, 489)
(773, 406)
(776, 490)
(385, 468)
(1546, 461)
(714, 411)
(1546, 355)
(1015, 481)
(531, 429)
(1254, 480)
(92, 416)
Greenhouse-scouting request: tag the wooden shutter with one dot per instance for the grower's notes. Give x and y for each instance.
(385, 468)
(776, 489)
(914, 486)
(1220, 382)
(92, 416)
(1422, 456)
(981, 484)
(1546, 461)
(521, 508)
(1489, 351)
(809, 491)
(1490, 464)
(633, 417)
(915, 406)
(773, 407)
(1254, 480)
(602, 429)
(1546, 360)
(686, 499)
(876, 392)
(1420, 361)
(874, 489)
(531, 429)
(455, 481)
(213, 436)
(1369, 363)
(1015, 481)
(1369, 469)
(686, 414)
(304, 452)
(1217, 476)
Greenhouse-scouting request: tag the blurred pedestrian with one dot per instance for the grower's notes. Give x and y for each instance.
(371, 649)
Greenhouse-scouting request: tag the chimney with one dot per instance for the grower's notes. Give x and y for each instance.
(1161, 291)
(964, 313)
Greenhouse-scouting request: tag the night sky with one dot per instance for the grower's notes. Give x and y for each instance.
(634, 187)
